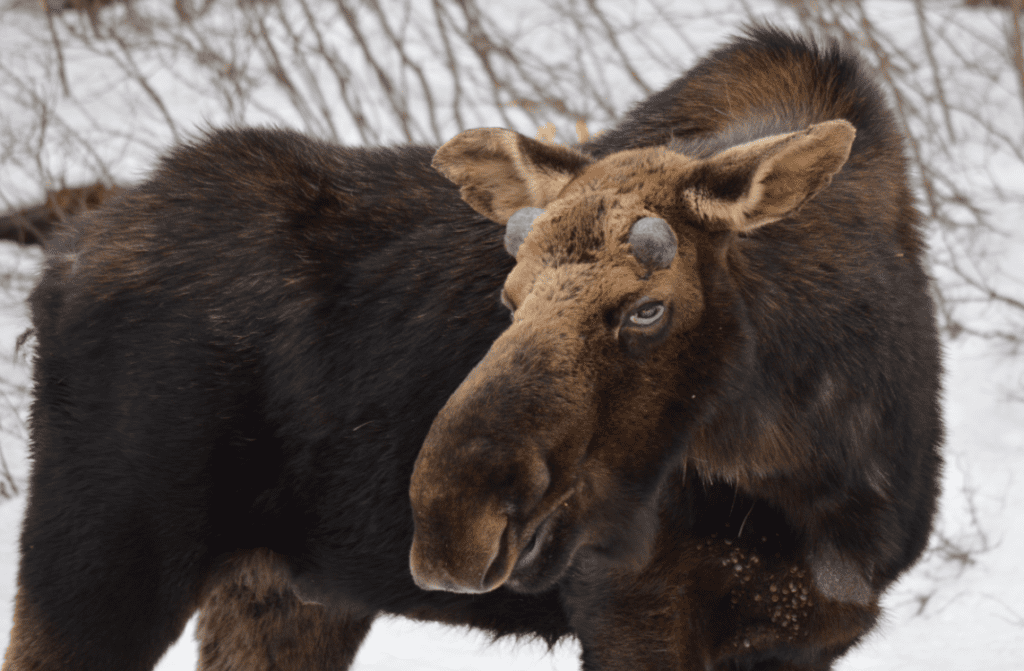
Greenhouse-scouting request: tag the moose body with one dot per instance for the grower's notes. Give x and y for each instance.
(685, 407)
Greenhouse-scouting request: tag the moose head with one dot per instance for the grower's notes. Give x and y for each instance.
(556, 440)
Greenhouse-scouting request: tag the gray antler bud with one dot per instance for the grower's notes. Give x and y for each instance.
(653, 241)
(518, 227)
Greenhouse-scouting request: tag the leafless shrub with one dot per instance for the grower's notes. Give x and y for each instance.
(956, 87)
(957, 546)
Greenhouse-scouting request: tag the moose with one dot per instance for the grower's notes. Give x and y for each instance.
(674, 391)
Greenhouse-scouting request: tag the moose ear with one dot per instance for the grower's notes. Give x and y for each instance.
(759, 182)
(501, 171)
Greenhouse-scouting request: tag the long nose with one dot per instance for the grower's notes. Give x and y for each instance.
(470, 530)
(491, 469)
(460, 558)
(473, 518)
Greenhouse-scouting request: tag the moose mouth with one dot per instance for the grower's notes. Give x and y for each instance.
(534, 546)
(543, 560)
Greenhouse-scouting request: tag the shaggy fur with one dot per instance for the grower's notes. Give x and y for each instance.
(278, 382)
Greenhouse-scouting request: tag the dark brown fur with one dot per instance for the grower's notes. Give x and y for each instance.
(278, 382)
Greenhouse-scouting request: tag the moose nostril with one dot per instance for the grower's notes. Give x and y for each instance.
(533, 541)
(433, 578)
(469, 556)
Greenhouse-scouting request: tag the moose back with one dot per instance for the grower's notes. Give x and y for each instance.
(683, 406)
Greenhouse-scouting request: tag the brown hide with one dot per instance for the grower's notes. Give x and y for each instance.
(252, 621)
(564, 420)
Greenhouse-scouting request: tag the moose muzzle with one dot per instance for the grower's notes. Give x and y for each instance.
(472, 522)
(497, 463)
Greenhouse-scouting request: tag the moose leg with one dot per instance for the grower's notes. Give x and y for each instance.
(253, 621)
(105, 603)
(32, 646)
(37, 645)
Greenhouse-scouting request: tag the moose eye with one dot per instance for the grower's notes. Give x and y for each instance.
(647, 314)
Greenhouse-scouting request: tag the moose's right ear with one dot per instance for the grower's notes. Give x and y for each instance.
(501, 171)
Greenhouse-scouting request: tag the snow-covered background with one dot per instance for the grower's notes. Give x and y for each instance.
(83, 100)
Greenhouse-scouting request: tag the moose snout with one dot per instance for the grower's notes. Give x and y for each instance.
(472, 519)
(453, 554)
(498, 460)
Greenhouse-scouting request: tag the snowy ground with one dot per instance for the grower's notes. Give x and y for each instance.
(962, 607)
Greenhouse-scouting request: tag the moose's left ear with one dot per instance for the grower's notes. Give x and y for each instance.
(759, 182)
(501, 171)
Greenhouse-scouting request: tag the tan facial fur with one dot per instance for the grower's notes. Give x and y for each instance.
(481, 487)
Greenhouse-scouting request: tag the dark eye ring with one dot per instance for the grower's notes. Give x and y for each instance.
(648, 314)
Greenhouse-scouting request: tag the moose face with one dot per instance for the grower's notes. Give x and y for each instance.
(555, 440)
